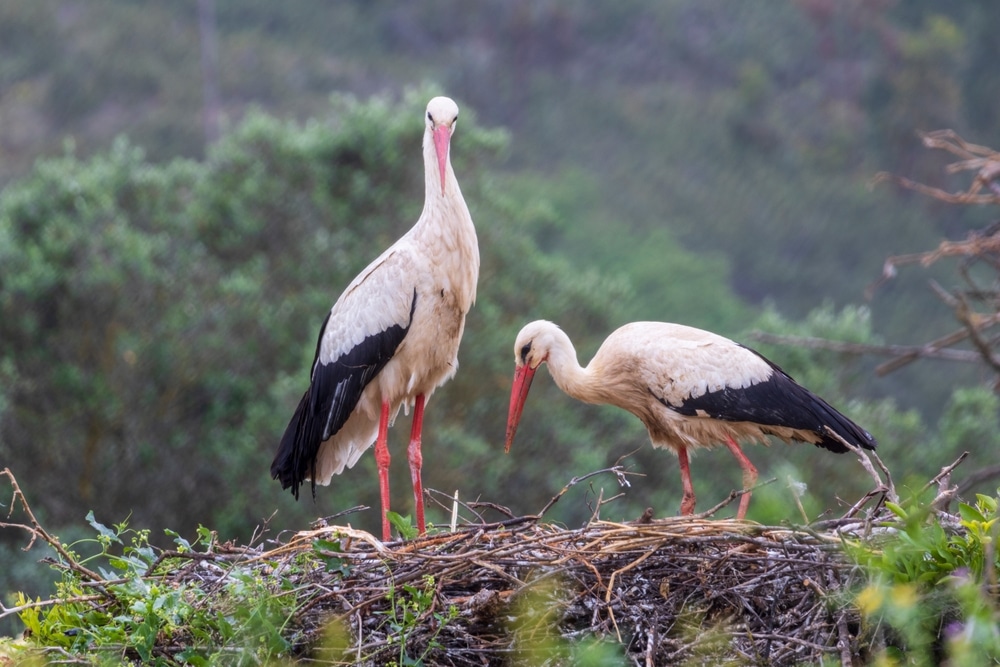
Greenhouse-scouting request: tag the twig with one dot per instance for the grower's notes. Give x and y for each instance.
(733, 495)
(329, 520)
(865, 459)
(978, 477)
(879, 490)
(906, 354)
(619, 472)
(945, 472)
(472, 506)
(37, 531)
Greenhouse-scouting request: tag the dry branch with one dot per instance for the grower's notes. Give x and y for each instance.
(984, 161)
(979, 246)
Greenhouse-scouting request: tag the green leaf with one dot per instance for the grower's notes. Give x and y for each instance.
(403, 525)
(986, 502)
(970, 514)
(896, 509)
(327, 545)
(101, 529)
(182, 544)
(322, 548)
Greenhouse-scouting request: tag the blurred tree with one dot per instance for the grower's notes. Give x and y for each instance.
(921, 92)
(980, 85)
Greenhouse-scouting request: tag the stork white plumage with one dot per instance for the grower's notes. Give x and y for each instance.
(691, 388)
(391, 338)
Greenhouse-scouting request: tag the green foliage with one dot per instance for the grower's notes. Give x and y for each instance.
(933, 588)
(246, 623)
(403, 525)
(970, 422)
(411, 605)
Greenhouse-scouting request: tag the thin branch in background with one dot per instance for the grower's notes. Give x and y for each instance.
(981, 159)
(905, 353)
(976, 244)
(982, 475)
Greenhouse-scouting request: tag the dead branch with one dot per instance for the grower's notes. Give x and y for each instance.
(36, 530)
(979, 246)
(976, 478)
(905, 353)
(619, 472)
(984, 161)
(945, 492)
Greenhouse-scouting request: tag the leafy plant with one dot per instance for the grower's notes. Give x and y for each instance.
(933, 589)
(403, 525)
(408, 607)
(116, 602)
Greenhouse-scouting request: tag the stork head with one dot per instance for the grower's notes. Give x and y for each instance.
(442, 116)
(531, 349)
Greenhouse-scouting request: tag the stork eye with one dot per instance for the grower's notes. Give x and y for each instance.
(525, 351)
(430, 117)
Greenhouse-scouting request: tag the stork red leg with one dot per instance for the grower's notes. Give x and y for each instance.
(687, 501)
(382, 460)
(417, 460)
(749, 476)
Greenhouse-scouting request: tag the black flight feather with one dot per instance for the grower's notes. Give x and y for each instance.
(334, 391)
(778, 401)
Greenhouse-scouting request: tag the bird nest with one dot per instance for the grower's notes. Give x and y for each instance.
(669, 591)
(519, 591)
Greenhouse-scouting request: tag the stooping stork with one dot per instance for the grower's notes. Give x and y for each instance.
(691, 388)
(391, 338)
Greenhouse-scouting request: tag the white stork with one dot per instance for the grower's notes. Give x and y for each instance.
(691, 388)
(391, 338)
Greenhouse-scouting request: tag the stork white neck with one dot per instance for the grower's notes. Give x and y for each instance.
(555, 347)
(445, 227)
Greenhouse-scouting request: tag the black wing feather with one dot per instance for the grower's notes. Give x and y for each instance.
(779, 401)
(333, 393)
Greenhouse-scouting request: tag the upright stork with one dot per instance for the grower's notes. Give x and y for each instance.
(691, 388)
(391, 338)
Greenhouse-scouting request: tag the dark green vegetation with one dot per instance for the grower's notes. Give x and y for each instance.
(700, 162)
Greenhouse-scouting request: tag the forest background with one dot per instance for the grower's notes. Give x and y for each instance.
(187, 187)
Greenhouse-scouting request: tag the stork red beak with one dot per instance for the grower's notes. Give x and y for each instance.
(518, 393)
(442, 137)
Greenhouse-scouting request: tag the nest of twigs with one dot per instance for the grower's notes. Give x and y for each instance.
(669, 591)
(519, 591)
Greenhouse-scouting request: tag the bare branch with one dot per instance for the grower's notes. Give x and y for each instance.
(907, 353)
(37, 531)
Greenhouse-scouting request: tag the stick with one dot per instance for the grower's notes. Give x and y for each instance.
(37, 531)
(619, 472)
(945, 472)
(733, 495)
